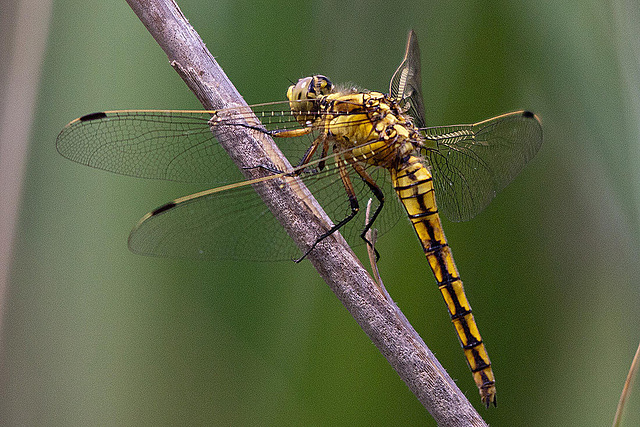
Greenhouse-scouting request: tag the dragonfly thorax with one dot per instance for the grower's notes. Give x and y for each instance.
(371, 124)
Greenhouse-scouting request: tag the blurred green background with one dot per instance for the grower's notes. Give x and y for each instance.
(94, 335)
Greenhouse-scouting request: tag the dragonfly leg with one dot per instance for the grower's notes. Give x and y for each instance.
(276, 133)
(267, 168)
(353, 201)
(290, 133)
(259, 128)
(321, 139)
(300, 167)
(379, 195)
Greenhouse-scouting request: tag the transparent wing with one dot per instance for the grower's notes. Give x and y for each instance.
(234, 223)
(164, 144)
(406, 83)
(471, 163)
(179, 146)
(174, 145)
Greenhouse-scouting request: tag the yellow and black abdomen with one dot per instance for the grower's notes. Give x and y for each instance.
(413, 183)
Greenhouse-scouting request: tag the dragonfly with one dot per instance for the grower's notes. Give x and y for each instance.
(346, 143)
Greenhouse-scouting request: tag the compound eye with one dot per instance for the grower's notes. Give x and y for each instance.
(300, 89)
(311, 88)
(323, 84)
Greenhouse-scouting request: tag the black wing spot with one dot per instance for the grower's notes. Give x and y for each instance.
(163, 208)
(93, 116)
(527, 114)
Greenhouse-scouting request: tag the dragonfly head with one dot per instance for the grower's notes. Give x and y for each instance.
(304, 94)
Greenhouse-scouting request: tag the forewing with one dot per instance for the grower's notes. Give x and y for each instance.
(471, 163)
(165, 144)
(406, 83)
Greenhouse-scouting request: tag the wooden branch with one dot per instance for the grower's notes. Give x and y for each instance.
(304, 220)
